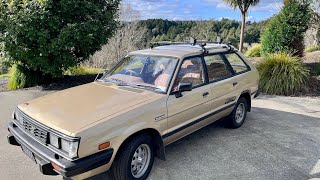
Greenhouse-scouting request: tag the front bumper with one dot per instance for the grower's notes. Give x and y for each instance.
(44, 157)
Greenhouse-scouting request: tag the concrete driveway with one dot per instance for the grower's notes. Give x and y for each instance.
(279, 140)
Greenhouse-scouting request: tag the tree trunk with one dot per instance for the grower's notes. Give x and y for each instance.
(242, 31)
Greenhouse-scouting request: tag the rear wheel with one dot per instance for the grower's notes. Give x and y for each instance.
(135, 159)
(239, 113)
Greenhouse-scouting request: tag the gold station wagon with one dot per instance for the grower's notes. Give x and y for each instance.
(123, 120)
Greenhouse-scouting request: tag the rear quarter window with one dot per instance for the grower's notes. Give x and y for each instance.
(237, 64)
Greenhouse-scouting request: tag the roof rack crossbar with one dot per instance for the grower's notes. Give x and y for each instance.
(193, 42)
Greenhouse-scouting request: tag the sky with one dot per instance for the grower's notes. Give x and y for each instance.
(202, 9)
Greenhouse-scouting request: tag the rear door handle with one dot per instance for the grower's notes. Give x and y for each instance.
(205, 94)
(235, 83)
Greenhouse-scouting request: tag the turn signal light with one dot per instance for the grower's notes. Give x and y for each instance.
(55, 166)
(104, 145)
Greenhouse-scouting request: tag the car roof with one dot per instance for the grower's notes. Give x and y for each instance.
(183, 50)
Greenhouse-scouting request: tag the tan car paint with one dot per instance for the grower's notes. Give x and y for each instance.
(98, 112)
(71, 109)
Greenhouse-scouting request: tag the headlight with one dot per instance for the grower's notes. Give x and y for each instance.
(68, 147)
(18, 117)
(54, 140)
(71, 147)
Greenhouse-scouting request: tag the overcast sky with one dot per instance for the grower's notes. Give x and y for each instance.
(201, 9)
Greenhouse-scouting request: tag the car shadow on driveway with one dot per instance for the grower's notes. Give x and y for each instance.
(271, 144)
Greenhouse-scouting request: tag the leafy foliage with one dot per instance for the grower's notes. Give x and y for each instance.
(4, 75)
(286, 30)
(254, 51)
(282, 74)
(82, 70)
(20, 77)
(313, 48)
(228, 30)
(49, 36)
(243, 6)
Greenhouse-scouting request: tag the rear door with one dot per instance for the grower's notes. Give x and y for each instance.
(242, 72)
(223, 84)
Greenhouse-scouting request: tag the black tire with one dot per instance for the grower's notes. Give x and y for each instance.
(231, 119)
(122, 164)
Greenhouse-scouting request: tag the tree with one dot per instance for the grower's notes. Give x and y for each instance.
(243, 5)
(48, 36)
(285, 32)
(315, 21)
(128, 37)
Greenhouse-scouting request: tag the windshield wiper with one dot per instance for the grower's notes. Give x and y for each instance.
(148, 87)
(118, 82)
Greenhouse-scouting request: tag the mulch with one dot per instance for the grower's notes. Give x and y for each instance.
(312, 87)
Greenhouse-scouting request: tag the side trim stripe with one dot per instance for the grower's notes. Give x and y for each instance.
(197, 121)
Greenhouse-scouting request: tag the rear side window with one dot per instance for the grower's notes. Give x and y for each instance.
(217, 69)
(236, 63)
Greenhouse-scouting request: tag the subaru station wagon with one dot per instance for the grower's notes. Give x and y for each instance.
(125, 119)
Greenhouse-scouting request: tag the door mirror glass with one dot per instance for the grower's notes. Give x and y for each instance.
(185, 87)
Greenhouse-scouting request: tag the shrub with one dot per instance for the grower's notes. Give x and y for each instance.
(285, 32)
(282, 74)
(313, 48)
(82, 70)
(254, 51)
(4, 75)
(49, 36)
(317, 70)
(20, 77)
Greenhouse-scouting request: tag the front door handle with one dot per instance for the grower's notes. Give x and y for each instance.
(235, 83)
(205, 94)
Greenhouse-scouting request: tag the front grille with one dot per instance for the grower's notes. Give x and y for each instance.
(33, 130)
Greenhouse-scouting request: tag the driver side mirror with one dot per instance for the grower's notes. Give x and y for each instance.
(183, 87)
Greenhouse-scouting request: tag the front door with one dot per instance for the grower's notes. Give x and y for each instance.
(184, 111)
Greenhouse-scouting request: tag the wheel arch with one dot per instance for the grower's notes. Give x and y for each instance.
(247, 96)
(156, 141)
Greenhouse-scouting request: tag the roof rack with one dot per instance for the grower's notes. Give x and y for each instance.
(192, 42)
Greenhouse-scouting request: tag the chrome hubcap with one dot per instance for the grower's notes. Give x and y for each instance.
(140, 160)
(240, 111)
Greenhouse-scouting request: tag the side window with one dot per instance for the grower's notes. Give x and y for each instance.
(191, 72)
(236, 62)
(217, 69)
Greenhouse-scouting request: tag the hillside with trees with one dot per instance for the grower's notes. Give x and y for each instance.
(228, 30)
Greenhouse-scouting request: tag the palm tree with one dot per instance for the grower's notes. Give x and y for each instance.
(243, 5)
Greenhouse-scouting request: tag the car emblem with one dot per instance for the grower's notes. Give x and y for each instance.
(160, 117)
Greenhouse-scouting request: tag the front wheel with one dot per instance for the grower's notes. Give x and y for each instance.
(134, 161)
(239, 113)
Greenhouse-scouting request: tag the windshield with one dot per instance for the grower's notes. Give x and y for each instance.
(143, 71)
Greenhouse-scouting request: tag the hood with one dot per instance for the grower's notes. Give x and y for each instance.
(69, 110)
